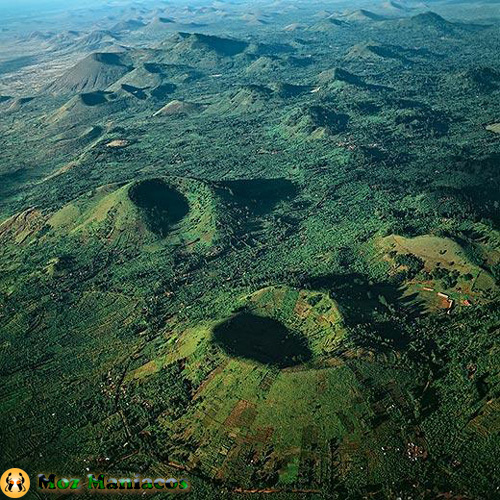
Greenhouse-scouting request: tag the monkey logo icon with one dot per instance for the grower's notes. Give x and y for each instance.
(15, 483)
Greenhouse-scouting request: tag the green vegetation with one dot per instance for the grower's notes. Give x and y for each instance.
(254, 245)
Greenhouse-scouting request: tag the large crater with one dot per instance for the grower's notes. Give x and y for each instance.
(162, 205)
(261, 339)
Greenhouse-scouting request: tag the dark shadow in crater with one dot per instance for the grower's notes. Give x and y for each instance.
(265, 340)
(163, 91)
(94, 98)
(163, 206)
(135, 91)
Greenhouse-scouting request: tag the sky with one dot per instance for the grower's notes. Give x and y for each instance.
(22, 5)
(8, 8)
(27, 5)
